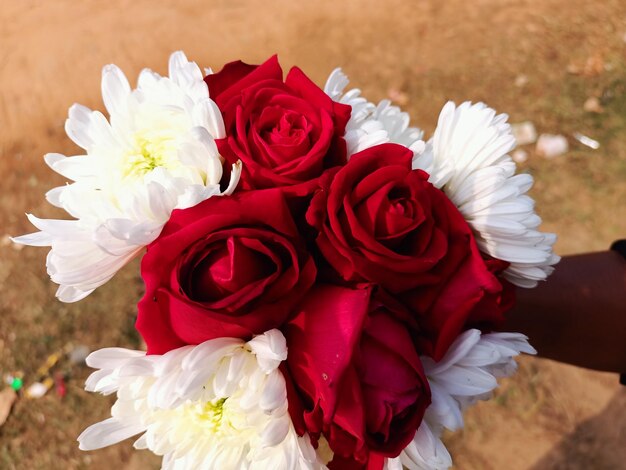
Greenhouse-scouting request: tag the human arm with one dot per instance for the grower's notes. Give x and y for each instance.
(578, 315)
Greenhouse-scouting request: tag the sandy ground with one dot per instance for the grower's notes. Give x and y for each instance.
(534, 59)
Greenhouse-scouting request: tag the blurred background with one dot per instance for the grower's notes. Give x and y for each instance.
(557, 66)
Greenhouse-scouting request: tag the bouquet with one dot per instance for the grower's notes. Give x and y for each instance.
(322, 285)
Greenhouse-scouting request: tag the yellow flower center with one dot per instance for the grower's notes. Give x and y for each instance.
(209, 414)
(151, 150)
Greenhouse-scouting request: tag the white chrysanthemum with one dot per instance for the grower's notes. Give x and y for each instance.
(219, 405)
(155, 154)
(371, 124)
(468, 159)
(467, 373)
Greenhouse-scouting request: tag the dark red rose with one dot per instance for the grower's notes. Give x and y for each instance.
(230, 266)
(357, 372)
(379, 221)
(472, 298)
(286, 133)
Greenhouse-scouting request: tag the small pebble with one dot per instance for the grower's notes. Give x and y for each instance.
(79, 354)
(519, 156)
(524, 132)
(550, 145)
(521, 81)
(592, 105)
(398, 96)
(587, 141)
(37, 390)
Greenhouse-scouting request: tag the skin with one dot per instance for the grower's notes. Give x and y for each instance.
(578, 315)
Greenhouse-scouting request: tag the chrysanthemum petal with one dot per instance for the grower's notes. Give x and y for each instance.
(107, 432)
(115, 89)
(370, 124)
(425, 452)
(270, 349)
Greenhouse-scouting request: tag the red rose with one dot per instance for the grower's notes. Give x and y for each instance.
(379, 221)
(286, 133)
(355, 366)
(230, 266)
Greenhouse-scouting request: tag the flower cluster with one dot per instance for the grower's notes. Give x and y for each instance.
(321, 285)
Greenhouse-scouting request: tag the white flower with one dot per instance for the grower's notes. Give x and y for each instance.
(155, 154)
(467, 373)
(219, 405)
(371, 124)
(424, 452)
(468, 159)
